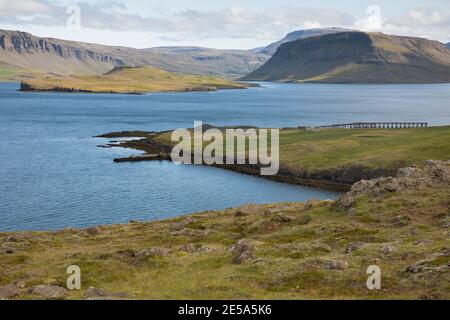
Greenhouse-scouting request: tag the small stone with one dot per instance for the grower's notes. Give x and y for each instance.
(242, 246)
(387, 249)
(346, 202)
(100, 294)
(353, 247)
(401, 221)
(322, 247)
(243, 258)
(12, 239)
(283, 218)
(250, 209)
(414, 268)
(182, 224)
(310, 204)
(240, 214)
(10, 291)
(195, 248)
(153, 252)
(93, 231)
(336, 265)
(242, 251)
(405, 172)
(304, 220)
(49, 292)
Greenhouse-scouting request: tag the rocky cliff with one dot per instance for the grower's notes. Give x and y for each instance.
(23, 51)
(358, 57)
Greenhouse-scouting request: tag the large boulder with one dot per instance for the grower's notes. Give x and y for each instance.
(10, 292)
(242, 251)
(49, 292)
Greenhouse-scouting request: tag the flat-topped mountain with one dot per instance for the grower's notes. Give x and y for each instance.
(358, 57)
(21, 51)
(298, 35)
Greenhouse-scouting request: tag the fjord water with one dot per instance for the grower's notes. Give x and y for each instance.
(52, 175)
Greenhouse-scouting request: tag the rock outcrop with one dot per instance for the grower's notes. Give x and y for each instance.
(433, 172)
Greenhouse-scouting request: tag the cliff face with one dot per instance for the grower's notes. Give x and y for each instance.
(298, 35)
(23, 51)
(358, 57)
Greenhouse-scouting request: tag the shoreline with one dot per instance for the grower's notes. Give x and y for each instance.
(25, 87)
(332, 180)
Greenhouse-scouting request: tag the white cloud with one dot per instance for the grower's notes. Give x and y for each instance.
(24, 7)
(229, 23)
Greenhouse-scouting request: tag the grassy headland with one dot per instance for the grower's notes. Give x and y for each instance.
(130, 80)
(317, 250)
(336, 157)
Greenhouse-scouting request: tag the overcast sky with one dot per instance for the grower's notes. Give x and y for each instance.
(242, 24)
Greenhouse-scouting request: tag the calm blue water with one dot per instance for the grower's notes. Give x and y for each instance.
(52, 175)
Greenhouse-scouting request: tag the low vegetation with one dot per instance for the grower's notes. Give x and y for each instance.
(335, 158)
(130, 80)
(317, 250)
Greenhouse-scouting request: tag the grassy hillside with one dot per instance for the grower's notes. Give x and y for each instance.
(130, 80)
(6, 73)
(332, 149)
(317, 250)
(358, 57)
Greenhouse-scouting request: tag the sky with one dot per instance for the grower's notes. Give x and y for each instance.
(231, 24)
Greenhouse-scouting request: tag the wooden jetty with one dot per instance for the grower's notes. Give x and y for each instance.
(372, 125)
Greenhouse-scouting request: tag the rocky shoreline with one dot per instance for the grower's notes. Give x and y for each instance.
(339, 179)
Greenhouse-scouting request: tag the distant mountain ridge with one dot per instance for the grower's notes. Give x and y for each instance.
(23, 51)
(298, 35)
(357, 57)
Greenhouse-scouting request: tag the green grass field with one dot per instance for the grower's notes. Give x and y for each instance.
(331, 149)
(5, 73)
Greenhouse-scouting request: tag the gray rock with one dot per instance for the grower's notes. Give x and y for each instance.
(195, 248)
(8, 250)
(353, 247)
(242, 251)
(346, 202)
(310, 204)
(387, 249)
(362, 186)
(100, 294)
(241, 246)
(336, 265)
(93, 231)
(406, 172)
(10, 291)
(12, 239)
(182, 224)
(243, 258)
(153, 252)
(283, 218)
(49, 292)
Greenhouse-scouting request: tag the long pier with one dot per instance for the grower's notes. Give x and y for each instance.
(372, 125)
